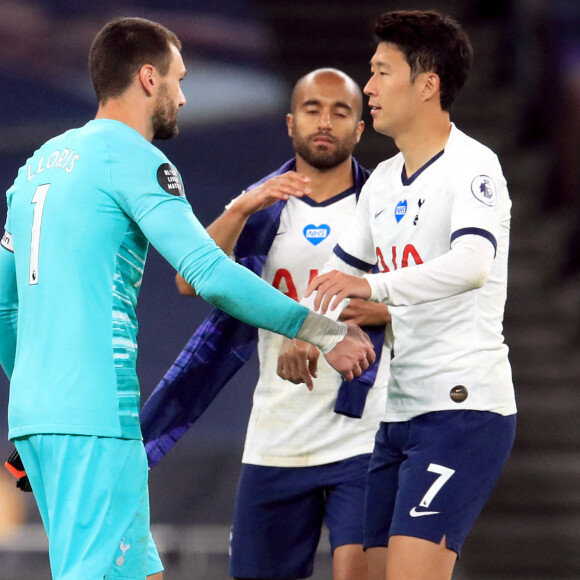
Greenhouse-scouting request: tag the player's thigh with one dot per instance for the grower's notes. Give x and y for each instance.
(277, 521)
(417, 559)
(453, 460)
(96, 503)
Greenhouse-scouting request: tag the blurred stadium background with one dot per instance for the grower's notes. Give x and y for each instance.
(243, 56)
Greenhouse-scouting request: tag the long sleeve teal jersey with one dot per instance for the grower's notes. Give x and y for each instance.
(80, 216)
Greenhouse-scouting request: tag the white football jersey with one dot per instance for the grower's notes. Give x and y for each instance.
(449, 353)
(290, 426)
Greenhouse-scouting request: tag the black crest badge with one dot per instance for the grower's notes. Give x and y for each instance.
(170, 180)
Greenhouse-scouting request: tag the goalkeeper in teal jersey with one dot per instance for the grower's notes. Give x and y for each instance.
(80, 216)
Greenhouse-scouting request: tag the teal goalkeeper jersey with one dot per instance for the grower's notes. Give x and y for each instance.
(80, 215)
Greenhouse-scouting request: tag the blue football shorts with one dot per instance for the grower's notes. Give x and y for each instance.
(279, 513)
(430, 477)
(93, 498)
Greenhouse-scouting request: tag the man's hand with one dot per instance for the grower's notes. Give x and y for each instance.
(353, 354)
(365, 313)
(298, 362)
(339, 286)
(280, 187)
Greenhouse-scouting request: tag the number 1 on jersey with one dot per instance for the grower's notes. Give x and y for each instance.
(38, 201)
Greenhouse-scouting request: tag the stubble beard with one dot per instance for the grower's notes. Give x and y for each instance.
(164, 119)
(322, 157)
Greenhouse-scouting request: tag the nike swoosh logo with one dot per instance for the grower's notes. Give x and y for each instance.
(415, 514)
(380, 212)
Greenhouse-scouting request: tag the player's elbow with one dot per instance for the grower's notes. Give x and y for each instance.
(476, 260)
(478, 277)
(183, 286)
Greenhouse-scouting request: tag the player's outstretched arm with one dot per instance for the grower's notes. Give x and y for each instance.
(226, 229)
(241, 293)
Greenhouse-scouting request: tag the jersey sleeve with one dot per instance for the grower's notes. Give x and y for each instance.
(158, 205)
(225, 284)
(480, 200)
(465, 267)
(355, 246)
(8, 304)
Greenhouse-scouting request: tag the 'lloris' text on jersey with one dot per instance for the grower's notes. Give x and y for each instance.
(64, 159)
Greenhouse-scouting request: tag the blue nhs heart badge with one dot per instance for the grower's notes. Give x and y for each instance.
(316, 234)
(401, 210)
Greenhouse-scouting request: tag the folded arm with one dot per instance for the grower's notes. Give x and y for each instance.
(465, 267)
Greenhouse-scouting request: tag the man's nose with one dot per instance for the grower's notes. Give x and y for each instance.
(369, 88)
(325, 122)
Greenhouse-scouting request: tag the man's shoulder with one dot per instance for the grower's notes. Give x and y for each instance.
(102, 137)
(463, 145)
(121, 140)
(386, 167)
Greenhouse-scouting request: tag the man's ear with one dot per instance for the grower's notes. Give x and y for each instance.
(290, 123)
(431, 85)
(147, 78)
(360, 127)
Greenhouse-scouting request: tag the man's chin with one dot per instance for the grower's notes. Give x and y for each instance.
(325, 162)
(165, 134)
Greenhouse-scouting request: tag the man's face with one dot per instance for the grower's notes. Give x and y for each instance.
(169, 99)
(393, 98)
(325, 125)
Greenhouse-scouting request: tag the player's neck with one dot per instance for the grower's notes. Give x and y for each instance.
(126, 111)
(326, 184)
(423, 142)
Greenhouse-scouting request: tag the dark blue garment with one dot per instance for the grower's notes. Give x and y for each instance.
(222, 344)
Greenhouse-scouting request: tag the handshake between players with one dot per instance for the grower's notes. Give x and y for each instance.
(298, 360)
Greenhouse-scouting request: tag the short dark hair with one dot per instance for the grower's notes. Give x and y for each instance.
(122, 47)
(430, 42)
